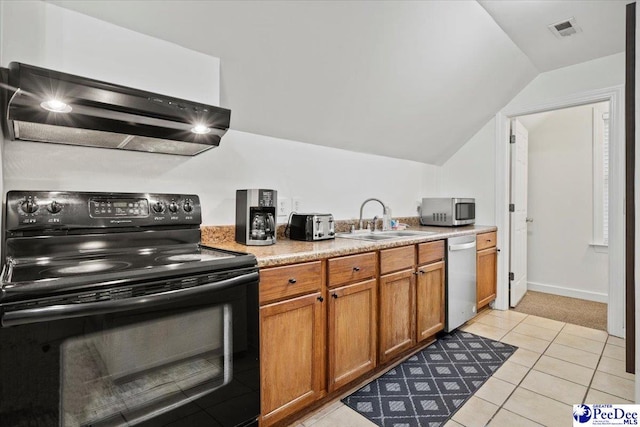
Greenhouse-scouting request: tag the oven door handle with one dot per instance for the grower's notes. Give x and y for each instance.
(65, 311)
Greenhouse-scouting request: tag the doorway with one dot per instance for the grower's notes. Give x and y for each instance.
(560, 258)
(614, 95)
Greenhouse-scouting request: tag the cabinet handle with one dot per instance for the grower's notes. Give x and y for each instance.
(421, 271)
(334, 295)
(356, 268)
(292, 280)
(320, 299)
(415, 273)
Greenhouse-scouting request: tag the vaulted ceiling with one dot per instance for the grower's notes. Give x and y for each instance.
(405, 79)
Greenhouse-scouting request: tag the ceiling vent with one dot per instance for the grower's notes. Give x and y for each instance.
(565, 28)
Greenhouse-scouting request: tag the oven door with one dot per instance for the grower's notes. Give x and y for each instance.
(187, 357)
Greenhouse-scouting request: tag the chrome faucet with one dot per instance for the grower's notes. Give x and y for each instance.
(385, 210)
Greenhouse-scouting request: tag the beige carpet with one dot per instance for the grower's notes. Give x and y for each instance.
(571, 310)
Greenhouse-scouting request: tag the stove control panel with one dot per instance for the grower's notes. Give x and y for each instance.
(105, 207)
(58, 210)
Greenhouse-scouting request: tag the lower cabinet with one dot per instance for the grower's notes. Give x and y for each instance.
(326, 324)
(397, 293)
(351, 332)
(292, 355)
(486, 269)
(430, 293)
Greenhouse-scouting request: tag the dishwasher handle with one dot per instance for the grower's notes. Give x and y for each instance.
(462, 246)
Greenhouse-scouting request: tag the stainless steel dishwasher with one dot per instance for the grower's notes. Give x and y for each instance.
(461, 280)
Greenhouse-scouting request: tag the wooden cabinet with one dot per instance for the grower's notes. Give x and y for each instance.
(291, 356)
(397, 292)
(352, 312)
(486, 268)
(292, 340)
(325, 324)
(352, 332)
(397, 301)
(430, 290)
(351, 269)
(291, 280)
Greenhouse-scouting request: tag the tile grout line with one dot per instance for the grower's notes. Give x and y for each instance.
(501, 406)
(519, 385)
(593, 376)
(537, 359)
(531, 368)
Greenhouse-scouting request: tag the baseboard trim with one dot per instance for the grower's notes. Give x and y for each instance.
(568, 292)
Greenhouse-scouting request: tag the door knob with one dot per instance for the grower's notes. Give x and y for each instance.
(529, 219)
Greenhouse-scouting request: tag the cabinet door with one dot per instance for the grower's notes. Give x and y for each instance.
(291, 356)
(487, 270)
(352, 332)
(429, 300)
(397, 313)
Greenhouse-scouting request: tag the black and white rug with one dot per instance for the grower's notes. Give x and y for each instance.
(430, 386)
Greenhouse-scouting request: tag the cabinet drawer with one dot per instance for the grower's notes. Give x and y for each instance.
(352, 268)
(486, 240)
(430, 252)
(283, 282)
(397, 259)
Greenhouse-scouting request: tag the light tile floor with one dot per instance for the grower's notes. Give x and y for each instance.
(556, 365)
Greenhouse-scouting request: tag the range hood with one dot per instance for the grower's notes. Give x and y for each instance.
(49, 106)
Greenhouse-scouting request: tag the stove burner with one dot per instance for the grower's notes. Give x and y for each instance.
(87, 267)
(192, 257)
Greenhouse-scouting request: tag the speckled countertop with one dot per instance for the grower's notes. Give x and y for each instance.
(287, 251)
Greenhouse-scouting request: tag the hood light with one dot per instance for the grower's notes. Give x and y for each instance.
(56, 106)
(200, 129)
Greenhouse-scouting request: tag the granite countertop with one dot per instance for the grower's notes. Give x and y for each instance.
(287, 251)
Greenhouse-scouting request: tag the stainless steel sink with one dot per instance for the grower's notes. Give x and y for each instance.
(407, 233)
(384, 235)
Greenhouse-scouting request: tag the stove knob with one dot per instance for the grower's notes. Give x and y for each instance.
(54, 207)
(173, 207)
(187, 206)
(158, 207)
(29, 206)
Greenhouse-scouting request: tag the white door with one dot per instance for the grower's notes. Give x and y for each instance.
(518, 218)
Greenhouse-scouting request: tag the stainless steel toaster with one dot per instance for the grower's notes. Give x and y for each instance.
(313, 226)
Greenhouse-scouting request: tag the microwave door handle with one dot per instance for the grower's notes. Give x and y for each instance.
(65, 311)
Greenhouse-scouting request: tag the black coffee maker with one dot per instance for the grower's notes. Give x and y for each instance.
(256, 217)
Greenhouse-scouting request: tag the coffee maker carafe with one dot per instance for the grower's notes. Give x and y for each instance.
(256, 217)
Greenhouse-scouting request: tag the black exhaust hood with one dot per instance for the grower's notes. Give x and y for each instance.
(49, 106)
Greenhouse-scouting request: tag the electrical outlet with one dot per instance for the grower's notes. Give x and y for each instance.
(284, 206)
(297, 205)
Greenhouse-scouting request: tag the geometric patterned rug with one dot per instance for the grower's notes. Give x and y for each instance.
(430, 386)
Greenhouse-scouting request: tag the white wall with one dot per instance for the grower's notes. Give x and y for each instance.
(560, 259)
(591, 75)
(325, 179)
(546, 88)
(41, 34)
(473, 166)
(470, 173)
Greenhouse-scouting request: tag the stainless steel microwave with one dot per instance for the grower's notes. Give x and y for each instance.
(447, 211)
